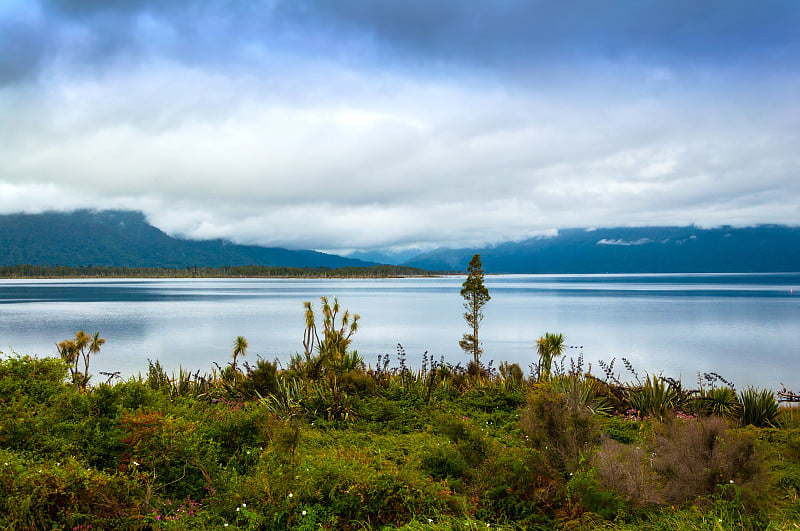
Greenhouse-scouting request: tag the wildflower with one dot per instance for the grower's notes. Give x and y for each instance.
(291, 495)
(430, 521)
(225, 524)
(244, 505)
(304, 513)
(135, 463)
(731, 482)
(237, 509)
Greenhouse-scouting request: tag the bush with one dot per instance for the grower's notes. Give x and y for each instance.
(759, 408)
(53, 495)
(263, 380)
(655, 398)
(685, 460)
(721, 402)
(564, 429)
(520, 486)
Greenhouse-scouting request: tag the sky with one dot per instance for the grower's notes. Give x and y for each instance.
(345, 125)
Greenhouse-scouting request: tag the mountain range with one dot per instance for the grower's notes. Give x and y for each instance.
(126, 239)
(766, 248)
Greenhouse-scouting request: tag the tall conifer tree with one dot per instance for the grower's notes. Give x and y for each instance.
(475, 297)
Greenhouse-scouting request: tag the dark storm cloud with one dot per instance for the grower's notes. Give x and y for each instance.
(506, 33)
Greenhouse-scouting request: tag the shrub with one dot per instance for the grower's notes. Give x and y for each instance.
(721, 402)
(563, 429)
(468, 441)
(655, 398)
(263, 380)
(683, 460)
(697, 457)
(520, 486)
(628, 470)
(444, 463)
(759, 408)
(54, 495)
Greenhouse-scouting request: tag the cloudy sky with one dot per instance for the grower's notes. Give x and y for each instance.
(357, 124)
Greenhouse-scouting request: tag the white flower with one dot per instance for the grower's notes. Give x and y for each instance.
(226, 525)
(237, 509)
(304, 513)
(244, 505)
(291, 495)
(430, 521)
(731, 481)
(135, 463)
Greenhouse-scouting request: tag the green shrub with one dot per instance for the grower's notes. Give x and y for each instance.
(37, 494)
(561, 428)
(444, 463)
(721, 402)
(759, 408)
(587, 495)
(655, 398)
(518, 485)
(261, 380)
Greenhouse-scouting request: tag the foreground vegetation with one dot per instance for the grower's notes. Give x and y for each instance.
(378, 271)
(329, 443)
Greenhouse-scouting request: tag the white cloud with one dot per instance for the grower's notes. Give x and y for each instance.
(286, 146)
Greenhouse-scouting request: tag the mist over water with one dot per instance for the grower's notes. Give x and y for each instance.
(745, 327)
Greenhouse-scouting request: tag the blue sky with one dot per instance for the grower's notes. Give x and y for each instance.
(355, 124)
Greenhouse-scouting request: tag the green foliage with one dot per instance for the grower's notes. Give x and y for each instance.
(562, 428)
(581, 392)
(759, 408)
(426, 449)
(260, 381)
(655, 398)
(721, 402)
(548, 347)
(475, 297)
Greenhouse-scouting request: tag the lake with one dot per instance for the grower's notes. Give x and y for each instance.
(744, 327)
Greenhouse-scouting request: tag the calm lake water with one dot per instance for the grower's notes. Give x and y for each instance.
(745, 327)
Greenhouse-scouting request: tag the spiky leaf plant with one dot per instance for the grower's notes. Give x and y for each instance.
(721, 402)
(759, 408)
(655, 397)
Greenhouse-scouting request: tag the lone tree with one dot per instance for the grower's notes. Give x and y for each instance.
(475, 296)
(548, 347)
(239, 349)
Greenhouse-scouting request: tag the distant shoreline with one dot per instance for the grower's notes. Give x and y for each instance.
(26, 271)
